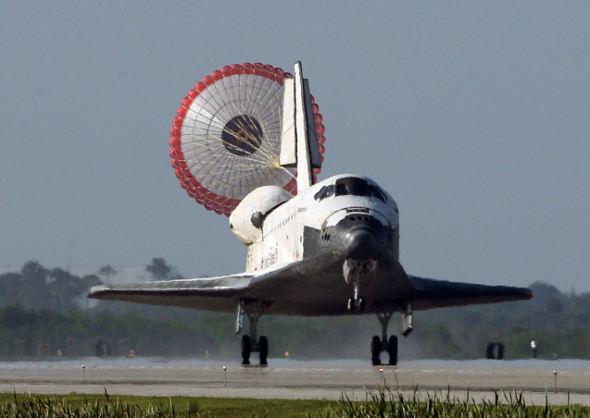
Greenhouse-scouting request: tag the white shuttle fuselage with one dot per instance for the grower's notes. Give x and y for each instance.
(288, 230)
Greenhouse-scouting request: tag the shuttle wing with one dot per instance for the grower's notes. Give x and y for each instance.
(431, 293)
(293, 289)
(221, 293)
(210, 293)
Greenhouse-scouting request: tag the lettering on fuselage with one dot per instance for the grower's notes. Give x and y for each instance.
(285, 222)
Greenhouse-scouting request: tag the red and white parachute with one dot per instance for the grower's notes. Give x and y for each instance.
(225, 139)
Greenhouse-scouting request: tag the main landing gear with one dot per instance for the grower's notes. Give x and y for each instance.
(253, 309)
(389, 345)
(378, 345)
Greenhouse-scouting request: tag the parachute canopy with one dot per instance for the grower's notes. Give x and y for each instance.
(225, 137)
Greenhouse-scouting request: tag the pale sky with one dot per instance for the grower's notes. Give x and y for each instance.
(475, 116)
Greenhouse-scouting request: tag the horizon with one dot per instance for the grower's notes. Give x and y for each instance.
(130, 274)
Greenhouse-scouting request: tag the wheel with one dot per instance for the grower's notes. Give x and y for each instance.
(246, 349)
(263, 346)
(360, 305)
(355, 306)
(490, 348)
(500, 355)
(376, 348)
(392, 350)
(349, 305)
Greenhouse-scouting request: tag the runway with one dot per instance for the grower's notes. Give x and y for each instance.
(288, 379)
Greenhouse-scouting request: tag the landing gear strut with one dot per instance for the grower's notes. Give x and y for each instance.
(378, 345)
(352, 270)
(356, 303)
(250, 344)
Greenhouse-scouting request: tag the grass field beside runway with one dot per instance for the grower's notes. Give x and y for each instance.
(382, 403)
(75, 406)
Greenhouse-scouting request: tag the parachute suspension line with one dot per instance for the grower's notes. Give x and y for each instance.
(289, 173)
(265, 150)
(226, 138)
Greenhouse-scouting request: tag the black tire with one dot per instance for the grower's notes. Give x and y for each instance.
(360, 307)
(376, 348)
(349, 306)
(490, 348)
(263, 345)
(246, 349)
(500, 355)
(392, 350)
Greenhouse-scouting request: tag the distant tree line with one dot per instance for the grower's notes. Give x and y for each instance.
(44, 312)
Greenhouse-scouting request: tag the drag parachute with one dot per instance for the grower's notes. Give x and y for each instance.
(225, 138)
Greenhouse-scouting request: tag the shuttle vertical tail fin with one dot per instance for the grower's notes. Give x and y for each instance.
(299, 143)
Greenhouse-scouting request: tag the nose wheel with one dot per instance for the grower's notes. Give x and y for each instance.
(356, 304)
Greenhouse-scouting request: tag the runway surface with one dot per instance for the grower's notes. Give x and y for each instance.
(289, 379)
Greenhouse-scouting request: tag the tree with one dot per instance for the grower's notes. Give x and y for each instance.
(16, 316)
(34, 271)
(107, 271)
(159, 269)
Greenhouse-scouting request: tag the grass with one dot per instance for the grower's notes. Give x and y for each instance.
(82, 406)
(380, 403)
(387, 403)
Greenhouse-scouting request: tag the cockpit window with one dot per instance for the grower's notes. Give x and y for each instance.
(351, 186)
(377, 192)
(358, 187)
(326, 191)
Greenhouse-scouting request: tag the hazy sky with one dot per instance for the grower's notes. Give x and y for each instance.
(475, 116)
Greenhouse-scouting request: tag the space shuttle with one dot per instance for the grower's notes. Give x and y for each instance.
(331, 249)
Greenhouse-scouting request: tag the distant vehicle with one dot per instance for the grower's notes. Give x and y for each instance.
(331, 249)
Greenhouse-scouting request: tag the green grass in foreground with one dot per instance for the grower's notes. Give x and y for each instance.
(382, 403)
(79, 406)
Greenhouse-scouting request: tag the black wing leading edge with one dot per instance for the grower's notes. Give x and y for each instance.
(211, 293)
(431, 293)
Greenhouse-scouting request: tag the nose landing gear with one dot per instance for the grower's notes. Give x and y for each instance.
(356, 304)
(352, 270)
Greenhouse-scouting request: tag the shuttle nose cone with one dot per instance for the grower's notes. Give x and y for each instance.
(361, 244)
